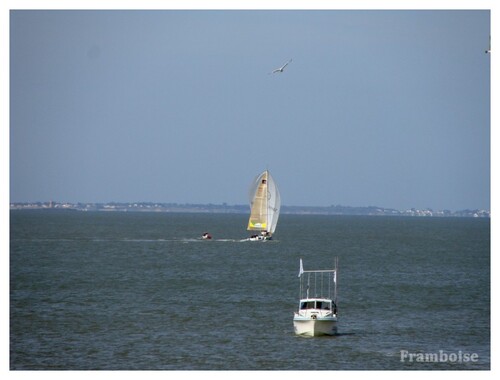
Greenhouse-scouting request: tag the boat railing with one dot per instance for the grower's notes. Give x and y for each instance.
(318, 283)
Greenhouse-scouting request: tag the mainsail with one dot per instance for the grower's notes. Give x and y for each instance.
(264, 204)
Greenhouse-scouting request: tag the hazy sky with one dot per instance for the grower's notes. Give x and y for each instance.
(384, 108)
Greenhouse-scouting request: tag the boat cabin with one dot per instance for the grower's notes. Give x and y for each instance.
(318, 304)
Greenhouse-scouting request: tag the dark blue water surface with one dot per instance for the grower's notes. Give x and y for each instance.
(133, 291)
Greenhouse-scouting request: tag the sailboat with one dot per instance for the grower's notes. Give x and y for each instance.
(265, 205)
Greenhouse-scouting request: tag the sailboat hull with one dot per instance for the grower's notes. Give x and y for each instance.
(260, 238)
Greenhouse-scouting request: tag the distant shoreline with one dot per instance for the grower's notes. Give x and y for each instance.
(242, 209)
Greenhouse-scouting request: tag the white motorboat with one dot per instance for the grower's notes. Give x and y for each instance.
(317, 314)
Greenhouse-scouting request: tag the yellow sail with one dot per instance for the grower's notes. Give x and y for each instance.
(258, 220)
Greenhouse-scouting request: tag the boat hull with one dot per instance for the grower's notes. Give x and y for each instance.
(259, 238)
(315, 327)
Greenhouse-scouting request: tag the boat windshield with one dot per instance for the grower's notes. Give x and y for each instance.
(323, 305)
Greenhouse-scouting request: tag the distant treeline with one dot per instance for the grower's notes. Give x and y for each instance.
(241, 209)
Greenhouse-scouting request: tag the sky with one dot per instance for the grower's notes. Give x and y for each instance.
(377, 108)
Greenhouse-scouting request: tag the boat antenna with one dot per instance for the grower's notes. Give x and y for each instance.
(335, 279)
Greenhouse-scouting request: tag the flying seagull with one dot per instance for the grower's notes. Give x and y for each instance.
(280, 70)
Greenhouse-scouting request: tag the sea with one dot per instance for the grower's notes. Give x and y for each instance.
(143, 291)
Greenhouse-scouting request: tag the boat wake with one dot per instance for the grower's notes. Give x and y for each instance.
(135, 240)
(206, 241)
(259, 240)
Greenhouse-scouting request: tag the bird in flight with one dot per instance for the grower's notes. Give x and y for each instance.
(280, 69)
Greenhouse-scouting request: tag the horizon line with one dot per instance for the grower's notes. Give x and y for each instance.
(224, 204)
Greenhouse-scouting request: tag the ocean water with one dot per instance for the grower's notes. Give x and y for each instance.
(127, 291)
